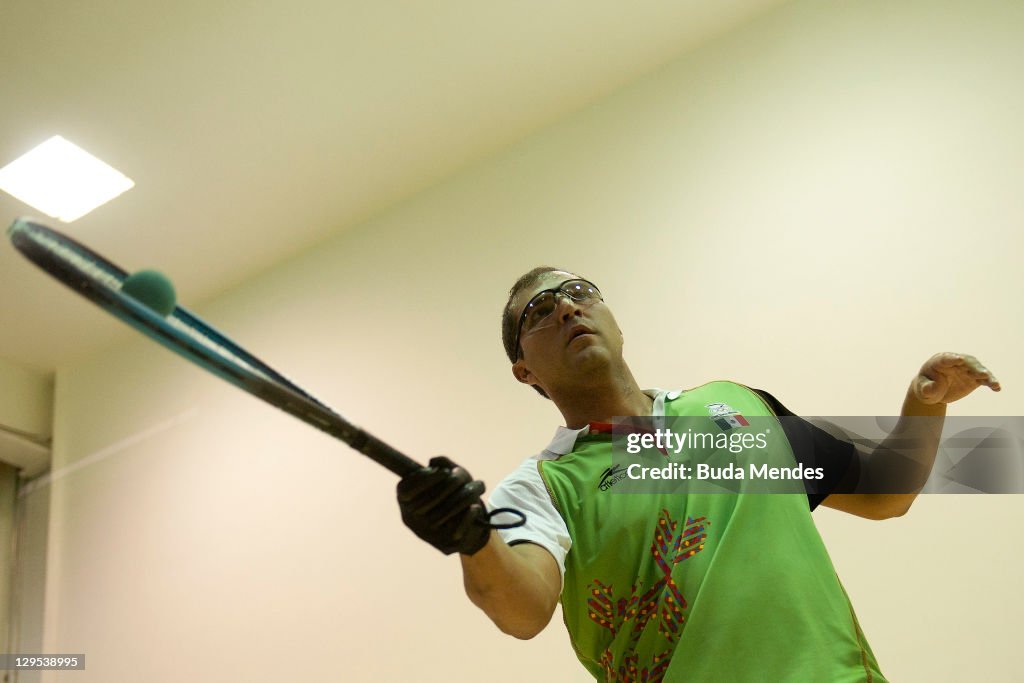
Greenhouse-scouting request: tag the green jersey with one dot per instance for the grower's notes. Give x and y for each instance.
(671, 586)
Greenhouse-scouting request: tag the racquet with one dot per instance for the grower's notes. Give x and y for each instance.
(100, 280)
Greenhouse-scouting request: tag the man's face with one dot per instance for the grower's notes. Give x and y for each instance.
(570, 343)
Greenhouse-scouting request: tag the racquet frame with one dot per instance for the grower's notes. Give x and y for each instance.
(99, 280)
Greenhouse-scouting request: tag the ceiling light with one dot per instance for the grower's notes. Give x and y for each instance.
(62, 180)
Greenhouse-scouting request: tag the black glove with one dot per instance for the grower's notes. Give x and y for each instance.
(441, 504)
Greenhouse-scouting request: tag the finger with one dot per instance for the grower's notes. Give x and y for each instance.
(452, 510)
(456, 504)
(947, 359)
(474, 516)
(927, 390)
(413, 485)
(974, 364)
(433, 498)
(993, 384)
(440, 462)
(986, 380)
(982, 375)
(430, 482)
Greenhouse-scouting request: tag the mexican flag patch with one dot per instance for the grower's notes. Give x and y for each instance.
(723, 415)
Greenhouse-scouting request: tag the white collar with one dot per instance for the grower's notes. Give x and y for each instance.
(565, 439)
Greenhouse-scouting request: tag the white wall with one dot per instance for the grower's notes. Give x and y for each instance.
(26, 400)
(813, 204)
(26, 417)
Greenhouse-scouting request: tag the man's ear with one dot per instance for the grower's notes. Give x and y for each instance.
(522, 373)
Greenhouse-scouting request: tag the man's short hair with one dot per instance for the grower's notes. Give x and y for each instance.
(509, 320)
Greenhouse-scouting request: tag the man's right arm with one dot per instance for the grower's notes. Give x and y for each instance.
(516, 586)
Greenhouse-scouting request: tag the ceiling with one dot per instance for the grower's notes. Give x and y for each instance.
(254, 130)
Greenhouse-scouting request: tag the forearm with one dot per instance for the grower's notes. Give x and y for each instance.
(517, 587)
(893, 474)
(901, 464)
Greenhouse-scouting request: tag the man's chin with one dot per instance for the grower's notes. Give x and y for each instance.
(590, 358)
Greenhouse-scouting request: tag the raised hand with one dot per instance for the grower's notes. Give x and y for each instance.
(948, 377)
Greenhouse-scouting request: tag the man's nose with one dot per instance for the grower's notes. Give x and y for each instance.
(565, 307)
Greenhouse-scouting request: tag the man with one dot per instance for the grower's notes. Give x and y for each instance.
(666, 586)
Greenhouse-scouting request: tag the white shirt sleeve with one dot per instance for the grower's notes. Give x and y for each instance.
(524, 490)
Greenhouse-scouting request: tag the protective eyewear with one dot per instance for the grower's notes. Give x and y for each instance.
(538, 311)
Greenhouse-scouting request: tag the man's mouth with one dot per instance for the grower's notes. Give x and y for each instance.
(578, 331)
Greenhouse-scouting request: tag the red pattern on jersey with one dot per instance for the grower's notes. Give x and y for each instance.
(663, 601)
